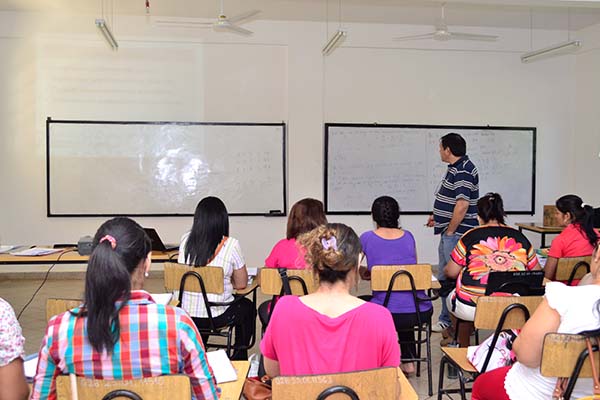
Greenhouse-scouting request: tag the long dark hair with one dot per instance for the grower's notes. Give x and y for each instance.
(582, 215)
(386, 212)
(211, 223)
(491, 207)
(120, 244)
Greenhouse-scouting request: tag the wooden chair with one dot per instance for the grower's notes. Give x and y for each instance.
(58, 306)
(380, 384)
(157, 388)
(301, 281)
(203, 280)
(491, 313)
(571, 268)
(566, 356)
(411, 278)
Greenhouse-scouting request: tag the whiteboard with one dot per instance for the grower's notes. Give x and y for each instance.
(99, 168)
(363, 162)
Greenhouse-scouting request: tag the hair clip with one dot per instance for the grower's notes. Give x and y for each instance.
(112, 240)
(330, 243)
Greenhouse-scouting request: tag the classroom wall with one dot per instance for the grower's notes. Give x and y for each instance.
(204, 75)
(587, 118)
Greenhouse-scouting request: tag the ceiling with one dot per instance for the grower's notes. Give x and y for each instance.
(545, 14)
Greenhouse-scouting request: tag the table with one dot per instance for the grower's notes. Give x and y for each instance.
(70, 256)
(233, 390)
(539, 228)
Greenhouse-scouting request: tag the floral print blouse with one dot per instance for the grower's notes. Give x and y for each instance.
(11, 337)
(486, 249)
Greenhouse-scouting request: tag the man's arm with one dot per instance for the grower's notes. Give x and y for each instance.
(458, 214)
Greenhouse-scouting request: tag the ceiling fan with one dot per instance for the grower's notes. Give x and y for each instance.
(442, 33)
(222, 24)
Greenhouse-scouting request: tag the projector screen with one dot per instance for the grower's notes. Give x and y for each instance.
(99, 168)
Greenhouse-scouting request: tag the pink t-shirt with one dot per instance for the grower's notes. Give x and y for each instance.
(572, 242)
(286, 254)
(306, 342)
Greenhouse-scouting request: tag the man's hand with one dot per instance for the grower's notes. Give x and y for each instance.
(430, 223)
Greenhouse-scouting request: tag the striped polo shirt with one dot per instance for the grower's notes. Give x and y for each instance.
(461, 182)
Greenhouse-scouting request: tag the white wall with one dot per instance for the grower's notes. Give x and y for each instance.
(367, 80)
(587, 118)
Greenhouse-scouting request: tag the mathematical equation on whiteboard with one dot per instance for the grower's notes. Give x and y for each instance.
(364, 162)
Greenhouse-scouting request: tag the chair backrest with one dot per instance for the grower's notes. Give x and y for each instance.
(382, 274)
(58, 306)
(270, 281)
(160, 387)
(490, 308)
(578, 266)
(381, 383)
(567, 356)
(213, 278)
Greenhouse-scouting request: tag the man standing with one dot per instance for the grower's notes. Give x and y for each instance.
(454, 208)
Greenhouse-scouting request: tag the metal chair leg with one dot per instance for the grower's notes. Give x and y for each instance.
(428, 350)
(441, 378)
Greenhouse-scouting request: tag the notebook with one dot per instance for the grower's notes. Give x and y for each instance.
(157, 243)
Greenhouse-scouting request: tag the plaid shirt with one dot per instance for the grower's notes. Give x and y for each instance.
(154, 340)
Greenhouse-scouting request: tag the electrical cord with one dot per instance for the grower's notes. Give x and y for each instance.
(43, 282)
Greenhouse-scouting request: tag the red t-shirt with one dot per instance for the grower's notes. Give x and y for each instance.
(572, 242)
(306, 342)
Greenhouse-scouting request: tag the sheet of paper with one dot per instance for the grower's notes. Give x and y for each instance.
(434, 278)
(162, 298)
(30, 365)
(7, 248)
(252, 271)
(221, 366)
(36, 251)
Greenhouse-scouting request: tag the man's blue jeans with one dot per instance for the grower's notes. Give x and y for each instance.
(447, 244)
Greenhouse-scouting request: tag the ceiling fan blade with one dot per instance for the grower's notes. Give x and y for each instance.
(244, 16)
(473, 36)
(413, 37)
(233, 28)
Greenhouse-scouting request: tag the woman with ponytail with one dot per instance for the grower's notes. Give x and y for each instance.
(492, 246)
(329, 331)
(579, 236)
(120, 332)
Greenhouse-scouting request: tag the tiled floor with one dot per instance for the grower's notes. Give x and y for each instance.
(18, 291)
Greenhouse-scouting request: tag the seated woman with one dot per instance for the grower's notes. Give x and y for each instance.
(490, 247)
(330, 330)
(208, 244)
(304, 216)
(108, 337)
(388, 244)
(12, 378)
(578, 238)
(564, 309)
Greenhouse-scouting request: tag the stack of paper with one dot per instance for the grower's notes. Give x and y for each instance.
(36, 251)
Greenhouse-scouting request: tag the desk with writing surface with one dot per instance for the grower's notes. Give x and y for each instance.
(541, 229)
(71, 256)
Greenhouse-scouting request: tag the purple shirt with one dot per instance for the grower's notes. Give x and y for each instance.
(401, 251)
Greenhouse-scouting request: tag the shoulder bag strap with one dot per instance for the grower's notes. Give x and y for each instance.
(285, 282)
(218, 249)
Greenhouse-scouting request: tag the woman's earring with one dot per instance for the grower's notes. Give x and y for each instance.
(146, 274)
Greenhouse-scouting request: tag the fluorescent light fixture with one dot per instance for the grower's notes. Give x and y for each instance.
(338, 37)
(549, 51)
(108, 36)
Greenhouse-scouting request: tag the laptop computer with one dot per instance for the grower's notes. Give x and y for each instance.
(525, 283)
(157, 243)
